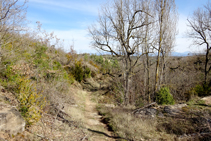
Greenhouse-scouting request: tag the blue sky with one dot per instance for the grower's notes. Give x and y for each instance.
(69, 19)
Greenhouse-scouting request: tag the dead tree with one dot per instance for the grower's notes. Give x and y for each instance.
(118, 32)
(200, 32)
(149, 40)
(166, 25)
(12, 18)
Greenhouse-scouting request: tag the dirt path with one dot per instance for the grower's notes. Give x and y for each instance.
(98, 130)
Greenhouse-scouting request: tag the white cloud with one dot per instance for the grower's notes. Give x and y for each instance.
(82, 41)
(182, 25)
(78, 36)
(183, 43)
(91, 8)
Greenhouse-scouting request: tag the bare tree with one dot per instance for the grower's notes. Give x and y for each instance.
(149, 40)
(12, 17)
(119, 32)
(167, 19)
(200, 32)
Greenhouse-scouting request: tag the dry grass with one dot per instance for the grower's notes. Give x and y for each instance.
(130, 127)
(77, 110)
(50, 128)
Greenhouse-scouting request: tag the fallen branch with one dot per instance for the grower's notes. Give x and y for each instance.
(147, 106)
(84, 138)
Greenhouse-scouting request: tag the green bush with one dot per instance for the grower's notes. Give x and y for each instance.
(87, 72)
(108, 65)
(56, 65)
(31, 102)
(86, 57)
(202, 90)
(164, 97)
(10, 79)
(40, 58)
(115, 63)
(97, 59)
(80, 72)
(68, 76)
(40, 51)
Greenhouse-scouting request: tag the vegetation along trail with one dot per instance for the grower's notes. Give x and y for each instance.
(99, 130)
(134, 88)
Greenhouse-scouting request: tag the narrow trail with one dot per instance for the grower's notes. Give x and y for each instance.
(98, 130)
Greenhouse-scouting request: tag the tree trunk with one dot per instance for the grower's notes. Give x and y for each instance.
(148, 79)
(127, 80)
(160, 44)
(127, 89)
(162, 71)
(145, 70)
(146, 64)
(157, 71)
(127, 86)
(206, 65)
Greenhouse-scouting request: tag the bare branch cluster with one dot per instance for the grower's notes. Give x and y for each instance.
(135, 28)
(200, 32)
(12, 18)
(118, 29)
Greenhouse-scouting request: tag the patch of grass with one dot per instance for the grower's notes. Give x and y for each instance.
(195, 101)
(129, 127)
(177, 126)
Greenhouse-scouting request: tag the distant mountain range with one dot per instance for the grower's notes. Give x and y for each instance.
(187, 53)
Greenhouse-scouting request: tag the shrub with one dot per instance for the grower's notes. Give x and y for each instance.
(115, 63)
(95, 65)
(31, 102)
(68, 76)
(87, 72)
(40, 51)
(164, 97)
(56, 65)
(10, 78)
(202, 90)
(86, 57)
(40, 58)
(72, 55)
(190, 94)
(97, 59)
(108, 64)
(80, 72)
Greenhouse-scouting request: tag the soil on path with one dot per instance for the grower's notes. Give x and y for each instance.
(98, 130)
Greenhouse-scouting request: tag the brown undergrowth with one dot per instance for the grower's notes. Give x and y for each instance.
(129, 127)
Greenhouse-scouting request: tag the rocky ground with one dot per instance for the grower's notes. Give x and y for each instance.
(70, 122)
(187, 121)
